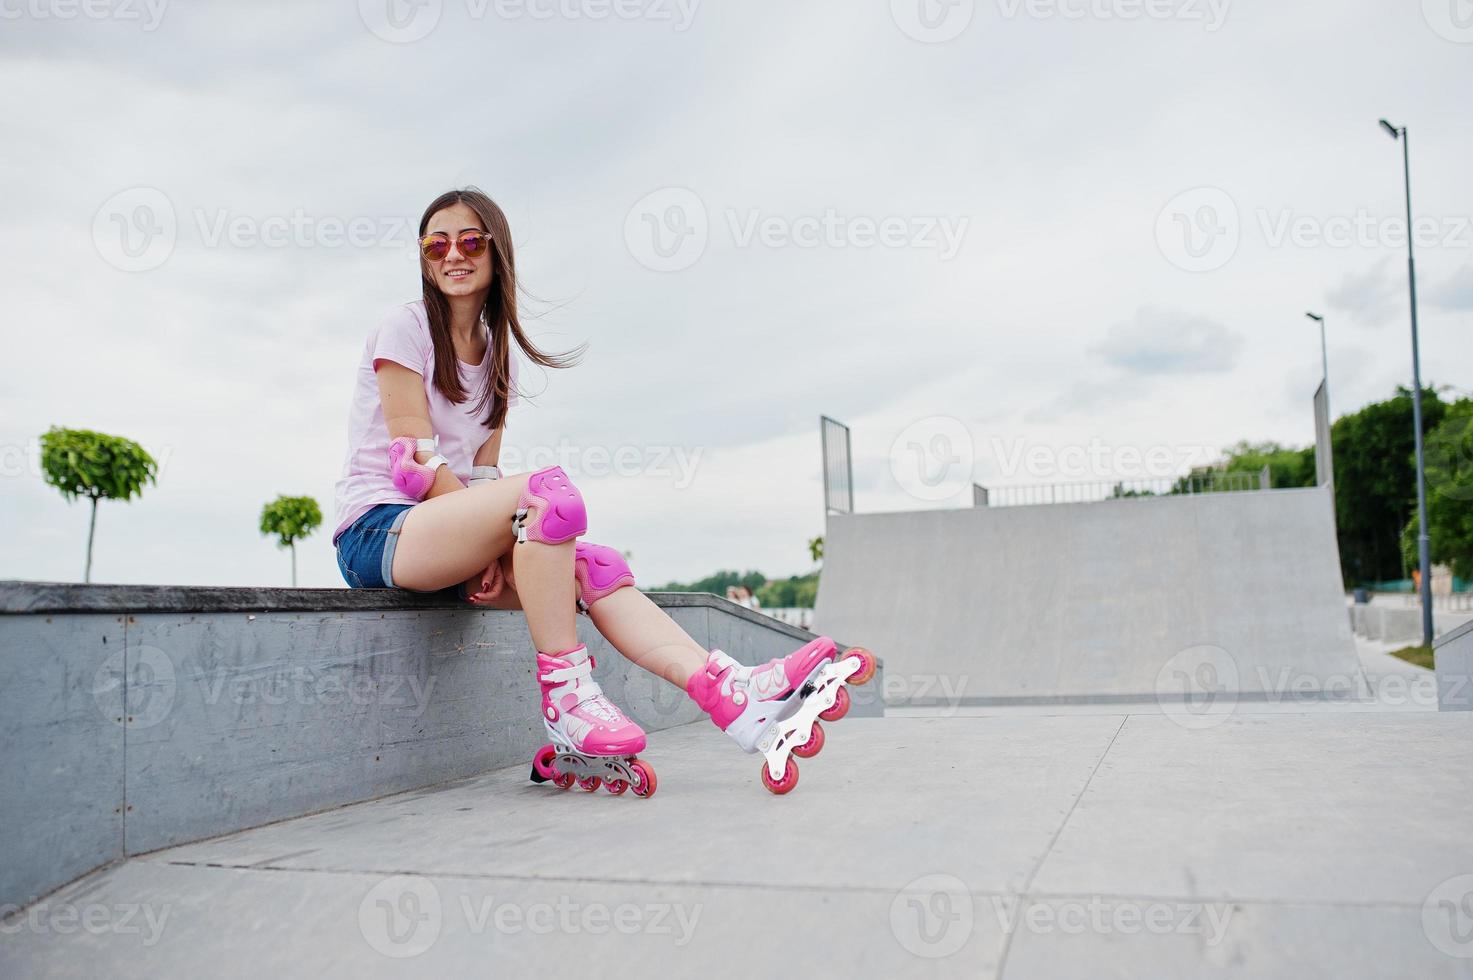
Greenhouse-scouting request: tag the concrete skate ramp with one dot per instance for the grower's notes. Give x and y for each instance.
(1139, 598)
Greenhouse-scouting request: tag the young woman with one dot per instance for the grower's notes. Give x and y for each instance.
(422, 506)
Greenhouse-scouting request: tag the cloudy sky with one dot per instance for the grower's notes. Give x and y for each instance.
(1011, 241)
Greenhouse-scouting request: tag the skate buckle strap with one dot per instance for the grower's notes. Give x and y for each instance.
(718, 662)
(561, 674)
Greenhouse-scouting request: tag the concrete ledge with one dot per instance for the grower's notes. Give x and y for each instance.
(1389, 624)
(142, 717)
(1452, 658)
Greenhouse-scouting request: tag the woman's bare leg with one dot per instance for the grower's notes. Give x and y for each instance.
(446, 540)
(647, 636)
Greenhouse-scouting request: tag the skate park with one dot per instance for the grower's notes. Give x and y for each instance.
(1155, 692)
(336, 782)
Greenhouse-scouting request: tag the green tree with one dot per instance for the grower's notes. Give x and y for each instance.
(1286, 467)
(83, 463)
(1375, 482)
(717, 583)
(795, 591)
(815, 549)
(1449, 460)
(290, 519)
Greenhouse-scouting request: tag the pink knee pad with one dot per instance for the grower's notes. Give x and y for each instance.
(600, 570)
(411, 477)
(551, 509)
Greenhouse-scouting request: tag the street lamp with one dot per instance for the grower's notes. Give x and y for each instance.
(1324, 357)
(1424, 558)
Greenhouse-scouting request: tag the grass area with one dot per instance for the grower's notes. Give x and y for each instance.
(1419, 655)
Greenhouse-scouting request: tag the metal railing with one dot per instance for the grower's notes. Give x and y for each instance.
(1096, 490)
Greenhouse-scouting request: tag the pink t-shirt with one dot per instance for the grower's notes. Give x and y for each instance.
(404, 338)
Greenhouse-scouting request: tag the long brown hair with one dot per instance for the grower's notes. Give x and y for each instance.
(500, 313)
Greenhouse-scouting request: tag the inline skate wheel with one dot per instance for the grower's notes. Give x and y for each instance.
(867, 670)
(590, 783)
(839, 708)
(616, 787)
(563, 780)
(784, 785)
(542, 769)
(810, 748)
(647, 782)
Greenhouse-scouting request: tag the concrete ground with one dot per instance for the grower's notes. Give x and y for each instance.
(1253, 840)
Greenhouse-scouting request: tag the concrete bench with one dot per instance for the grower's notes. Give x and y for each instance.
(140, 717)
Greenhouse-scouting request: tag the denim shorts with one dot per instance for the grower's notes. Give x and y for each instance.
(366, 548)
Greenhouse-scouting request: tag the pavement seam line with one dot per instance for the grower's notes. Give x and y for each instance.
(881, 890)
(1025, 892)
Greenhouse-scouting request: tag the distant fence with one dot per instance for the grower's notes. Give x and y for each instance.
(1454, 602)
(791, 615)
(1096, 490)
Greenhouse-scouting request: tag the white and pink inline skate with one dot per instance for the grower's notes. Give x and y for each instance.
(593, 743)
(774, 708)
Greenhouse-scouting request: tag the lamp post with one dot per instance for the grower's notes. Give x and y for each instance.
(1424, 559)
(1324, 357)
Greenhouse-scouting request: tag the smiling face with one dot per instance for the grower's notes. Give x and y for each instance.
(458, 274)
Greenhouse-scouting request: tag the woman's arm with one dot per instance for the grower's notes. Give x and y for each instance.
(407, 413)
(490, 452)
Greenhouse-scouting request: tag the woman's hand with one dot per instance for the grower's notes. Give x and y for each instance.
(485, 587)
